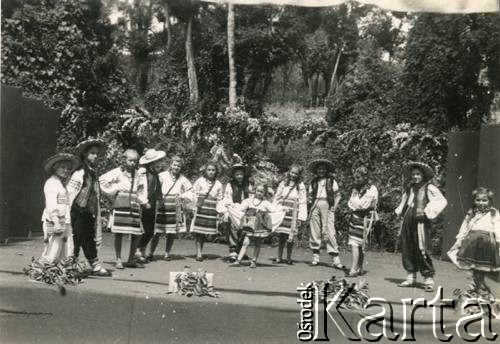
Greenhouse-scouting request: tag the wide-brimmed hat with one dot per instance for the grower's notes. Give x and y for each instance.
(151, 155)
(240, 167)
(84, 145)
(51, 161)
(313, 165)
(426, 169)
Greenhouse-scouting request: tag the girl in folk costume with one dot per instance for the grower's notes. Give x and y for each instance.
(478, 242)
(292, 195)
(421, 203)
(257, 217)
(148, 195)
(56, 218)
(171, 211)
(362, 205)
(120, 185)
(84, 192)
(324, 197)
(209, 194)
(235, 192)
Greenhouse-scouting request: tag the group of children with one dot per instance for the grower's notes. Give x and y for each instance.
(149, 202)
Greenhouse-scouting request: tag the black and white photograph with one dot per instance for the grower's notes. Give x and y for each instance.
(249, 171)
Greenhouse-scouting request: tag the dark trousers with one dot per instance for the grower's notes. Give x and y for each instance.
(148, 224)
(83, 223)
(413, 259)
(234, 237)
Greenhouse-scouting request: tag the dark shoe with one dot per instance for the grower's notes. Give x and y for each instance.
(134, 265)
(199, 259)
(149, 258)
(167, 257)
(142, 260)
(289, 262)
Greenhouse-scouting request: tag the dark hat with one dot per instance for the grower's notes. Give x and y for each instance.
(313, 165)
(240, 167)
(84, 145)
(50, 162)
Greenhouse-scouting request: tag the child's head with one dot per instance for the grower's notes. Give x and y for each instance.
(91, 154)
(321, 170)
(130, 159)
(261, 191)
(211, 170)
(482, 198)
(417, 175)
(295, 173)
(62, 169)
(176, 165)
(360, 176)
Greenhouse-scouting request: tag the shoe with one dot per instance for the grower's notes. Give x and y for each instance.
(236, 263)
(429, 284)
(167, 257)
(410, 282)
(149, 258)
(277, 261)
(352, 274)
(315, 260)
(100, 272)
(142, 260)
(337, 264)
(199, 259)
(289, 262)
(253, 264)
(119, 265)
(135, 265)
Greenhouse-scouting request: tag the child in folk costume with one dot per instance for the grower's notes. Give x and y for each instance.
(478, 242)
(362, 205)
(209, 194)
(84, 192)
(324, 197)
(235, 192)
(421, 203)
(56, 218)
(148, 195)
(292, 195)
(120, 185)
(257, 217)
(171, 211)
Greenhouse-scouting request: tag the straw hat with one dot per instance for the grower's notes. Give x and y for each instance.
(151, 155)
(240, 167)
(426, 169)
(84, 145)
(50, 162)
(313, 165)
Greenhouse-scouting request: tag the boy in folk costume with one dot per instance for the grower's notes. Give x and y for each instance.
(478, 241)
(209, 194)
(84, 192)
(171, 210)
(120, 185)
(421, 203)
(236, 190)
(324, 197)
(292, 195)
(149, 196)
(56, 218)
(362, 205)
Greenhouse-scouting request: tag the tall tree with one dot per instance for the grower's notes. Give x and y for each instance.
(230, 53)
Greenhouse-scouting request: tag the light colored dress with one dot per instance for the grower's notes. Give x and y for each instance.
(121, 187)
(209, 198)
(56, 221)
(294, 199)
(177, 198)
(257, 218)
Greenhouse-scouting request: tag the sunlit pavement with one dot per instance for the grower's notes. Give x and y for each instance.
(257, 305)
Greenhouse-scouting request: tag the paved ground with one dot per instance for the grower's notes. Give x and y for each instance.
(257, 305)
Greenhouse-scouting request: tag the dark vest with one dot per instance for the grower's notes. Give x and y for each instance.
(239, 192)
(330, 195)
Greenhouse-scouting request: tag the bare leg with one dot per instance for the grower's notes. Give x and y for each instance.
(118, 246)
(244, 247)
(256, 250)
(154, 243)
(361, 259)
(199, 246)
(281, 245)
(134, 242)
(355, 258)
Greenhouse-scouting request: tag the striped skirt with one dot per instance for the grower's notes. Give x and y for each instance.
(169, 216)
(254, 224)
(205, 218)
(479, 251)
(289, 223)
(356, 229)
(125, 216)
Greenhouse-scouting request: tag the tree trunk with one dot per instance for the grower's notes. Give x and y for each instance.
(230, 52)
(334, 74)
(192, 78)
(168, 27)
